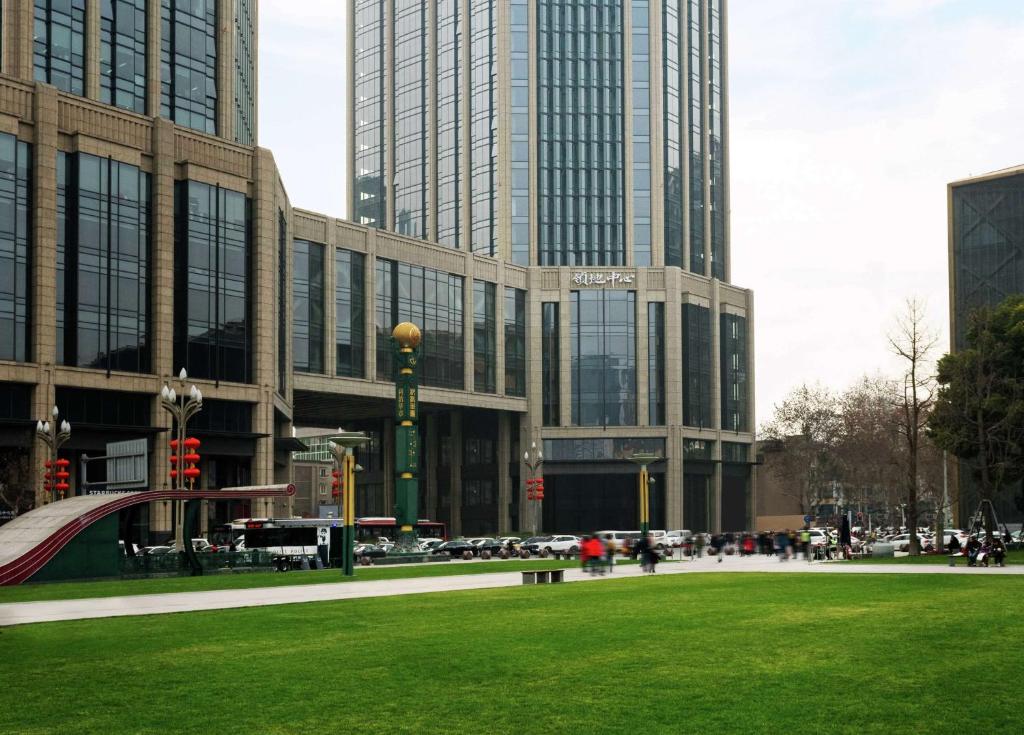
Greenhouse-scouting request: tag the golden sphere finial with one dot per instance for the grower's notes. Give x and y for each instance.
(407, 334)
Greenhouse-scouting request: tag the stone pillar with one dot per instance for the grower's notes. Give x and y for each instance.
(153, 36)
(264, 255)
(674, 478)
(504, 480)
(455, 528)
(18, 23)
(226, 69)
(92, 51)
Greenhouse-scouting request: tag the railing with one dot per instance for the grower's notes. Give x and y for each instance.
(172, 563)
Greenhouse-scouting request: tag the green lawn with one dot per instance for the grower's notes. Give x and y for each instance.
(701, 653)
(113, 588)
(1012, 557)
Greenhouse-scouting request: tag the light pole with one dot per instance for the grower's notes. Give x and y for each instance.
(345, 463)
(53, 435)
(535, 483)
(182, 408)
(643, 459)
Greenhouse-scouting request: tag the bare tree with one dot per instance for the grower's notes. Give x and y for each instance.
(15, 492)
(805, 429)
(913, 342)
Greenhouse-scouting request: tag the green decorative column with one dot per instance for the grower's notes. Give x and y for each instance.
(405, 339)
(643, 459)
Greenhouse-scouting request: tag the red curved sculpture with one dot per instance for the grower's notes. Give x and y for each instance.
(35, 558)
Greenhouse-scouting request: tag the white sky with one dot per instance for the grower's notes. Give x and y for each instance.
(848, 118)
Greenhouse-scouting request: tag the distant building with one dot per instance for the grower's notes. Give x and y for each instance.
(986, 264)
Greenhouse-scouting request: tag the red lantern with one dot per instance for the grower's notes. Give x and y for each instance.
(47, 464)
(174, 445)
(47, 475)
(191, 458)
(191, 473)
(174, 474)
(63, 475)
(62, 486)
(192, 443)
(174, 459)
(63, 462)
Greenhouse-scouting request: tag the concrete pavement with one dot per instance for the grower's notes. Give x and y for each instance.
(20, 613)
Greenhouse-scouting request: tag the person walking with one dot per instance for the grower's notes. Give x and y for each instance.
(805, 542)
(698, 544)
(609, 550)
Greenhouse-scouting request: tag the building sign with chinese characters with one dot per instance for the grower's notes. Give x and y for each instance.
(602, 278)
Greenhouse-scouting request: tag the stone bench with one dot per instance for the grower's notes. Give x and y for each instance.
(544, 576)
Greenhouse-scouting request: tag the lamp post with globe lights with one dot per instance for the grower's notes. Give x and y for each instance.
(184, 454)
(345, 469)
(54, 434)
(535, 482)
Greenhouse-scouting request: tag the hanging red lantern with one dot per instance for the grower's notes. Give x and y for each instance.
(192, 443)
(63, 462)
(191, 472)
(174, 459)
(174, 474)
(191, 458)
(47, 464)
(62, 486)
(174, 445)
(63, 475)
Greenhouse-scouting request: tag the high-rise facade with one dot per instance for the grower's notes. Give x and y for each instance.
(517, 192)
(586, 143)
(986, 265)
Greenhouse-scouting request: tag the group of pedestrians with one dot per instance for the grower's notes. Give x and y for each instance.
(597, 556)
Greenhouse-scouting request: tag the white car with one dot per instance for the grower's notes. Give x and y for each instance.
(559, 544)
(675, 539)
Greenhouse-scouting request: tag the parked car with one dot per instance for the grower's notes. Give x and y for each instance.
(492, 545)
(675, 539)
(552, 544)
(455, 548)
(623, 540)
(156, 550)
(429, 544)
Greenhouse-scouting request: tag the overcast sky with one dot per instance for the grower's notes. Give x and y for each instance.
(848, 118)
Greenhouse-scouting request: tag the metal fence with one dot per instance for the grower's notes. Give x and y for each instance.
(153, 565)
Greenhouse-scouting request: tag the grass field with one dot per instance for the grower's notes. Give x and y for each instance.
(702, 653)
(113, 588)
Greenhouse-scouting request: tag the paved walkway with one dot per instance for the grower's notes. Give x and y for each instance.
(19, 613)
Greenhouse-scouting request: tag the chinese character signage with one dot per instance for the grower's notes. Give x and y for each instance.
(609, 278)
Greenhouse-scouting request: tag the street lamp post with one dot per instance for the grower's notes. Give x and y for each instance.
(643, 459)
(53, 435)
(345, 464)
(182, 407)
(535, 483)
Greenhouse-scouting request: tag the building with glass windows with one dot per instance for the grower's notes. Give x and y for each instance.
(573, 153)
(540, 186)
(986, 265)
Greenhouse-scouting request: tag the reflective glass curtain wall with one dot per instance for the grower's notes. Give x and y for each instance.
(433, 299)
(673, 40)
(15, 247)
(308, 307)
(641, 133)
(450, 29)
(520, 130)
(102, 264)
(696, 366)
(349, 325)
(188, 63)
(733, 346)
(550, 361)
(716, 141)
(368, 205)
(695, 114)
(123, 54)
(485, 337)
(282, 302)
(58, 48)
(581, 133)
(483, 142)
(410, 128)
(515, 342)
(245, 72)
(213, 335)
(603, 358)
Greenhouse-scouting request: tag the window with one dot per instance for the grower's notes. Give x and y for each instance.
(550, 365)
(450, 91)
(213, 337)
(515, 342)
(733, 347)
(656, 363)
(696, 366)
(103, 263)
(484, 337)
(349, 324)
(368, 203)
(245, 72)
(188, 63)
(58, 49)
(123, 54)
(15, 247)
(308, 307)
(603, 358)
(410, 111)
(433, 301)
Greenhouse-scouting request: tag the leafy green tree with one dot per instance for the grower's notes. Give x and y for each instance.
(979, 411)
